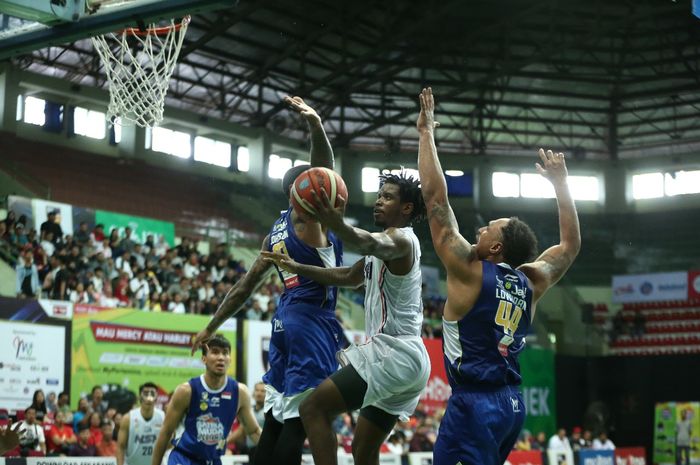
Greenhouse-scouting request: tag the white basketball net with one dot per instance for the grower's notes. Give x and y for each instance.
(138, 66)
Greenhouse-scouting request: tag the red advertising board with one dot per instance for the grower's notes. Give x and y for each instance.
(525, 457)
(438, 389)
(630, 456)
(694, 285)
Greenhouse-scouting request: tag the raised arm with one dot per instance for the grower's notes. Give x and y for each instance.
(553, 263)
(454, 250)
(176, 410)
(235, 298)
(245, 414)
(321, 150)
(344, 276)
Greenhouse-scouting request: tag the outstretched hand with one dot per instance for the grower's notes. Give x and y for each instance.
(10, 437)
(283, 261)
(200, 340)
(327, 214)
(297, 104)
(426, 118)
(553, 166)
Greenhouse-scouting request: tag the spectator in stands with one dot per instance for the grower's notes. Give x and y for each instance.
(254, 312)
(577, 442)
(47, 243)
(161, 247)
(128, 242)
(61, 436)
(177, 306)
(83, 448)
(121, 264)
(80, 417)
(540, 442)
(82, 237)
(39, 403)
(191, 269)
(559, 442)
(140, 289)
(98, 279)
(53, 225)
(32, 238)
(6, 249)
(95, 423)
(684, 432)
(10, 220)
(424, 438)
(588, 438)
(108, 446)
(121, 290)
(33, 442)
(21, 235)
(51, 403)
(153, 304)
(76, 262)
(602, 442)
(524, 441)
(97, 402)
(137, 256)
(28, 284)
(115, 242)
(79, 295)
(63, 405)
(59, 279)
(395, 444)
(97, 236)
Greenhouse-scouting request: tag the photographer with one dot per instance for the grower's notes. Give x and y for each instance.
(32, 443)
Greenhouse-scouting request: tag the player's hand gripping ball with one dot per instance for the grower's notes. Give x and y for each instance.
(314, 180)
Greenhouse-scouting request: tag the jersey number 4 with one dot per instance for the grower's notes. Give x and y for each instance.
(507, 317)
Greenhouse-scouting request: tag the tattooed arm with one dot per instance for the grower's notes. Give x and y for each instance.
(236, 297)
(455, 252)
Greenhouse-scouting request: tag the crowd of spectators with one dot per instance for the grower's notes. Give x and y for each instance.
(115, 270)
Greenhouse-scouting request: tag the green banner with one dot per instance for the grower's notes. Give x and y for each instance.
(121, 349)
(141, 227)
(537, 368)
(665, 433)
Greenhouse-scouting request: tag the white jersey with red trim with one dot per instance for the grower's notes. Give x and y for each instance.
(394, 304)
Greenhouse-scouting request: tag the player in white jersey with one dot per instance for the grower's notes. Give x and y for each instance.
(385, 376)
(139, 429)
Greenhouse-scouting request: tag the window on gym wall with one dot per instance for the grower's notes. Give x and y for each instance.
(656, 184)
(214, 152)
(34, 111)
(243, 158)
(277, 166)
(89, 123)
(534, 186)
(370, 179)
(175, 143)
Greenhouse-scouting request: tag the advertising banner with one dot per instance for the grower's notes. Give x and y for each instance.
(665, 433)
(438, 389)
(141, 227)
(650, 287)
(524, 457)
(57, 308)
(560, 457)
(29, 363)
(537, 369)
(596, 457)
(121, 349)
(694, 285)
(630, 456)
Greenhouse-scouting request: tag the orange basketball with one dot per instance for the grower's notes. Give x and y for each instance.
(313, 180)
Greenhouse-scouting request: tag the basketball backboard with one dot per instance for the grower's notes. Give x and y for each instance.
(29, 25)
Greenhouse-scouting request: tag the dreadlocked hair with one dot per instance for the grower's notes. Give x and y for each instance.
(409, 192)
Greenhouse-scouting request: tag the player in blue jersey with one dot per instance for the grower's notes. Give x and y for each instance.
(493, 287)
(305, 333)
(201, 412)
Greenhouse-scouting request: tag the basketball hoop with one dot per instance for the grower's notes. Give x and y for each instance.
(138, 64)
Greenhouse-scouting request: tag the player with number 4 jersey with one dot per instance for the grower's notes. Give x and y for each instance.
(492, 289)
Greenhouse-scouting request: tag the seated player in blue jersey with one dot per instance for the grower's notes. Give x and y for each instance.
(202, 410)
(305, 333)
(385, 376)
(492, 289)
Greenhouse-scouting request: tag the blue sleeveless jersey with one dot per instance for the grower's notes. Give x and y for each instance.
(481, 350)
(298, 289)
(207, 422)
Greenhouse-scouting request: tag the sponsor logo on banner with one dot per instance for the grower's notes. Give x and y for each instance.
(71, 461)
(438, 389)
(110, 332)
(596, 457)
(694, 284)
(57, 308)
(88, 309)
(630, 456)
(650, 287)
